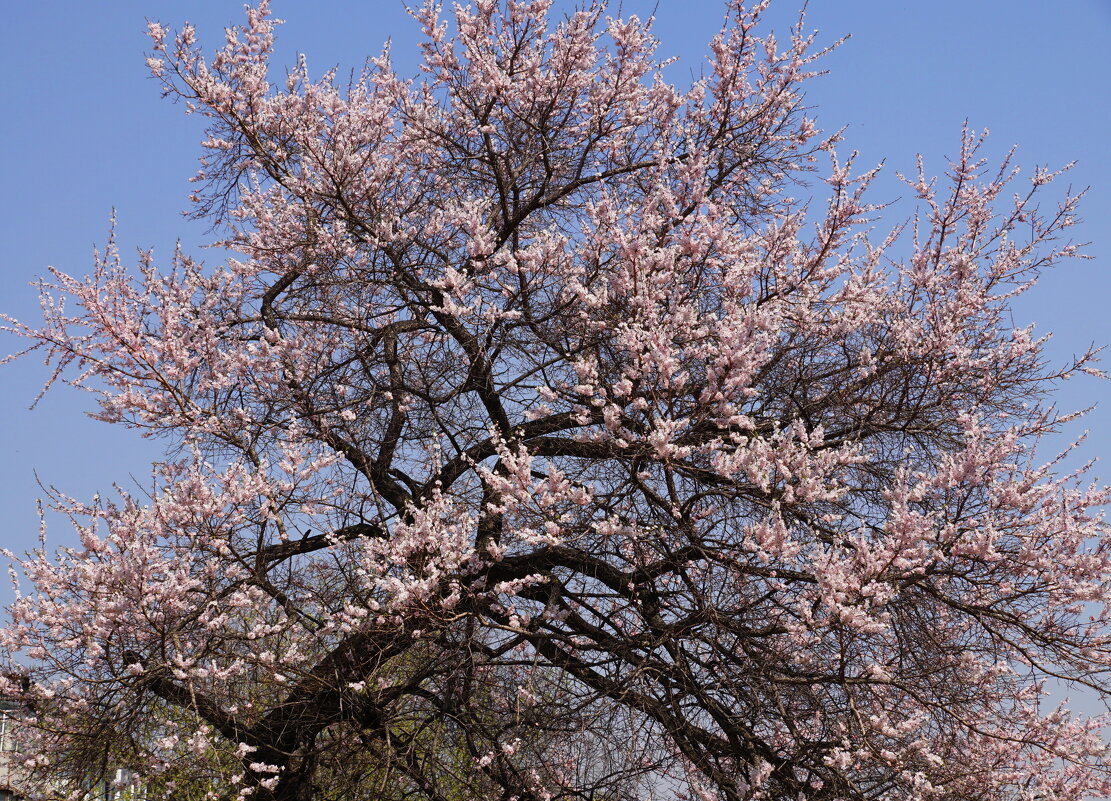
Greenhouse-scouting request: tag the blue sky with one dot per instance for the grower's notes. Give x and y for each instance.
(84, 131)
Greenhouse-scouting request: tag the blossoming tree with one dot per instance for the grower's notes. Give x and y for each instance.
(536, 444)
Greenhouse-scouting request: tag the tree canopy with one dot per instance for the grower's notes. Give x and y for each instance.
(539, 443)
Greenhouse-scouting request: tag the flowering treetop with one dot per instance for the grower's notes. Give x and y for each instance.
(537, 444)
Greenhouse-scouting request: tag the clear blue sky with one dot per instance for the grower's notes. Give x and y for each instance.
(84, 130)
